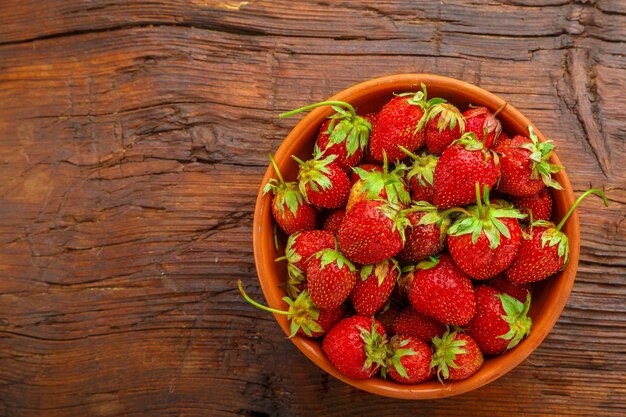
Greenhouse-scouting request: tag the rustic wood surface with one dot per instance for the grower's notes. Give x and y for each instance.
(134, 136)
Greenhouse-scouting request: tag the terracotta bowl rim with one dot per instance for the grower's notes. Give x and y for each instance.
(430, 390)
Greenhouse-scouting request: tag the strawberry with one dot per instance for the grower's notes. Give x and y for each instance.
(524, 166)
(456, 356)
(409, 360)
(445, 124)
(330, 278)
(500, 322)
(388, 314)
(400, 123)
(460, 167)
(322, 182)
(290, 211)
(371, 232)
(420, 176)
(544, 249)
(376, 185)
(504, 286)
(354, 177)
(427, 233)
(484, 124)
(343, 134)
(304, 317)
(357, 346)
(439, 289)
(333, 220)
(537, 206)
(411, 323)
(300, 248)
(372, 291)
(484, 241)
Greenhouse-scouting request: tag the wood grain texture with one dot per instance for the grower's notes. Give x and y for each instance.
(134, 136)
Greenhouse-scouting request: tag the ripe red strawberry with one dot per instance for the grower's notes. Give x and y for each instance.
(544, 249)
(388, 314)
(290, 211)
(439, 289)
(380, 185)
(305, 318)
(456, 356)
(322, 182)
(484, 241)
(524, 166)
(411, 323)
(333, 220)
(343, 134)
(409, 361)
(538, 205)
(400, 123)
(374, 287)
(445, 125)
(500, 322)
(371, 232)
(484, 124)
(299, 250)
(427, 233)
(460, 167)
(330, 278)
(420, 176)
(354, 177)
(357, 346)
(504, 286)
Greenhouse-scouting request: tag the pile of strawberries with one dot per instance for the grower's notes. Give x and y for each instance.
(414, 237)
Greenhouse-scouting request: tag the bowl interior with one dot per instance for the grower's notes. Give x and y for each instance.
(549, 297)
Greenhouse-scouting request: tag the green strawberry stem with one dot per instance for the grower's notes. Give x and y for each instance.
(254, 303)
(500, 109)
(298, 160)
(449, 211)
(407, 152)
(320, 104)
(280, 177)
(478, 202)
(578, 200)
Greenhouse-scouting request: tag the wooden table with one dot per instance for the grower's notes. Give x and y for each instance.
(134, 138)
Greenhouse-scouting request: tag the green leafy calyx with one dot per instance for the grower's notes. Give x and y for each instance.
(302, 313)
(540, 153)
(398, 350)
(346, 126)
(374, 182)
(295, 276)
(485, 219)
(446, 349)
(329, 256)
(314, 173)
(420, 98)
(516, 316)
(376, 350)
(450, 118)
(381, 270)
(423, 167)
(287, 193)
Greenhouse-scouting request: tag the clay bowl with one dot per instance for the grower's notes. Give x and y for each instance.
(549, 297)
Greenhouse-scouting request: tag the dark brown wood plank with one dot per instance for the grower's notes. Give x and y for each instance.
(134, 137)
